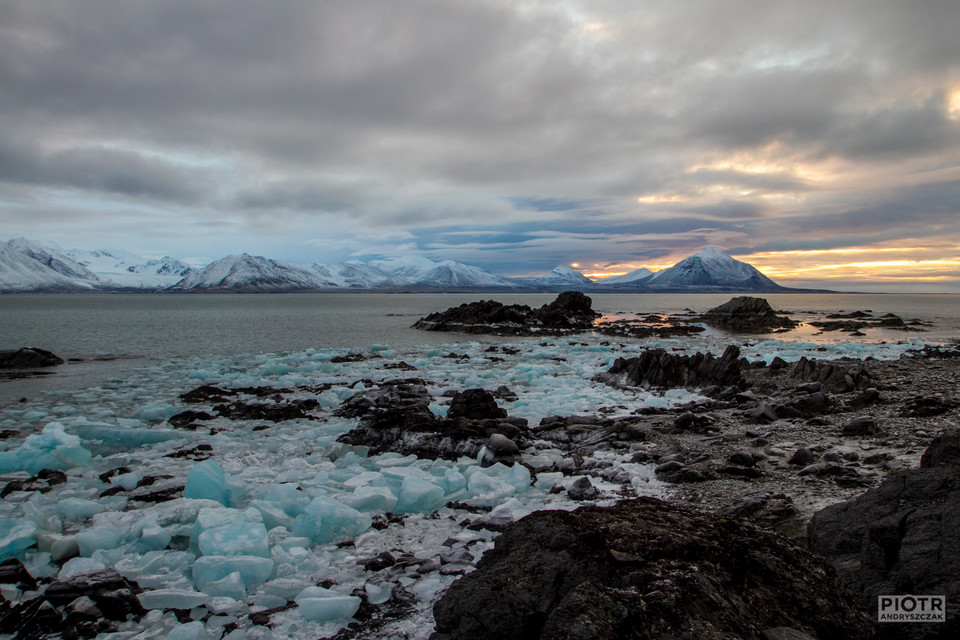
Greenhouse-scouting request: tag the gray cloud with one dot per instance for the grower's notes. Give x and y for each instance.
(332, 118)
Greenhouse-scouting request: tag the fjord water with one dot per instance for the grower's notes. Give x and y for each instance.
(113, 333)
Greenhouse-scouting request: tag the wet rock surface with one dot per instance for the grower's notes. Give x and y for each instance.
(645, 568)
(902, 538)
(28, 358)
(659, 369)
(571, 312)
(745, 313)
(396, 417)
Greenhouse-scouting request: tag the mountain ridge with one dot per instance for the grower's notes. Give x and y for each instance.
(28, 266)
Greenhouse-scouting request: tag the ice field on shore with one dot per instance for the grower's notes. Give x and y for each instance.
(285, 516)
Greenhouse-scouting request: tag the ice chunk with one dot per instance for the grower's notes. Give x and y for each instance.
(90, 540)
(367, 498)
(78, 508)
(231, 586)
(325, 519)
(59, 546)
(190, 631)
(418, 495)
(273, 514)
(154, 537)
(171, 599)
(156, 412)
(16, 535)
(237, 538)
(322, 605)
(207, 480)
(488, 488)
(378, 593)
(53, 448)
(77, 566)
(287, 587)
(106, 438)
(253, 569)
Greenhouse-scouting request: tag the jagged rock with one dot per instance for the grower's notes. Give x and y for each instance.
(808, 406)
(861, 426)
(863, 399)
(475, 404)
(742, 459)
(802, 457)
(762, 414)
(943, 450)
(745, 313)
(833, 376)
(656, 368)
(583, 489)
(901, 538)
(396, 417)
(43, 482)
(500, 448)
(928, 406)
(275, 412)
(571, 311)
(648, 569)
(28, 358)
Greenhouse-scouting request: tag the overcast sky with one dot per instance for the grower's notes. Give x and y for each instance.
(819, 141)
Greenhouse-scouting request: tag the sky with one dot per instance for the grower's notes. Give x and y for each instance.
(818, 141)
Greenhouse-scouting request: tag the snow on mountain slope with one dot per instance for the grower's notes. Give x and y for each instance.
(561, 276)
(127, 270)
(455, 274)
(253, 273)
(711, 268)
(406, 266)
(353, 275)
(30, 266)
(634, 277)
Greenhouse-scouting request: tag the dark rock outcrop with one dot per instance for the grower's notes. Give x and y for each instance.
(745, 313)
(396, 417)
(656, 368)
(646, 569)
(28, 358)
(80, 607)
(571, 312)
(902, 538)
(836, 376)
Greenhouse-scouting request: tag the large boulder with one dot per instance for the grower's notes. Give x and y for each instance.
(28, 358)
(396, 417)
(745, 313)
(570, 312)
(647, 569)
(902, 537)
(659, 369)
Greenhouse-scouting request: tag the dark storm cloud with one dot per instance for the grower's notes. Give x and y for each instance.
(540, 124)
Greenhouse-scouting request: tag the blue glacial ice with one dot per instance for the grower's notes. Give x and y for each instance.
(258, 524)
(53, 448)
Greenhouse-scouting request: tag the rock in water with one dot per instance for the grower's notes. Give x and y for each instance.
(902, 538)
(28, 358)
(570, 312)
(647, 569)
(745, 313)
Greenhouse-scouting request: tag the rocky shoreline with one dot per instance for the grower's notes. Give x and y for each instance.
(763, 450)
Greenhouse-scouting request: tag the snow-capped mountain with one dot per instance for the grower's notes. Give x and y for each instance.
(246, 273)
(30, 266)
(634, 277)
(404, 269)
(711, 268)
(562, 277)
(127, 270)
(449, 274)
(354, 275)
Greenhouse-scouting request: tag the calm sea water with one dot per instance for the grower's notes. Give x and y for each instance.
(111, 333)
